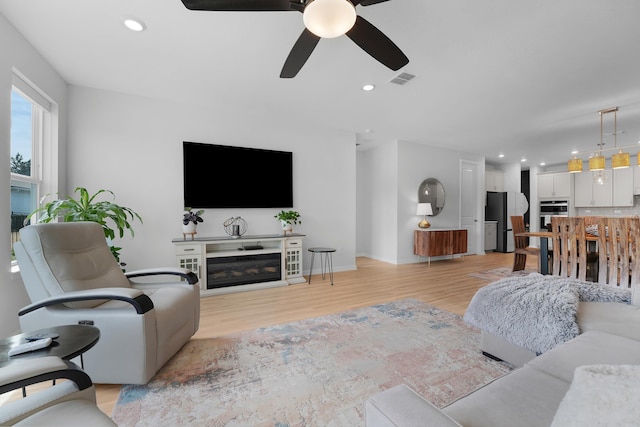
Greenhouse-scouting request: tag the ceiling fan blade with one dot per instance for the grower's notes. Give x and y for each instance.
(238, 5)
(367, 2)
(299, 54)
(376, 44)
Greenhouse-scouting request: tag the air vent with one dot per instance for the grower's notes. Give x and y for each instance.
(402, 78)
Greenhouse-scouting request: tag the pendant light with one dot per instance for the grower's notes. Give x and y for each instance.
(597, 161)
(620, 159)
(575, 165)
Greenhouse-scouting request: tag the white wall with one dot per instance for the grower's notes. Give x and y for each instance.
(19, 55)
(391, 175)
(133, 146)
(377, 213)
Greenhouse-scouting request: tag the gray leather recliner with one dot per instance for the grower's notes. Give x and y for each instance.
(68, 403)
(72, 277)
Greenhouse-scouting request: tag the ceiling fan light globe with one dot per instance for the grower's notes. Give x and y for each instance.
(329, 18)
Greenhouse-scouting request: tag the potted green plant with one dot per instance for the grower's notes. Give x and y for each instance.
(190, 220)
(113, 218)
(287, 219)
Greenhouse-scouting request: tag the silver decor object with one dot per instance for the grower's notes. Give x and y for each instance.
(235, 227)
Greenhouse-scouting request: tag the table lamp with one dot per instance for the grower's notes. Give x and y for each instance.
(424, 209)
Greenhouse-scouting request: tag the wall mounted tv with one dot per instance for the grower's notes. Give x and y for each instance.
(222, 176)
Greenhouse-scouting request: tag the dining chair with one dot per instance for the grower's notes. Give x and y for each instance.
(619, 251)
(569, 247)
(521, 248)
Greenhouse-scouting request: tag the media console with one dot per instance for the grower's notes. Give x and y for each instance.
(226, 265)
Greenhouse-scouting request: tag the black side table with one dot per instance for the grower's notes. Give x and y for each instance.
(326, 261)
(73, 340)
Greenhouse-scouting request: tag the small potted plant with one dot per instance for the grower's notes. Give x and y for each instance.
(287, 219)
(190, 221)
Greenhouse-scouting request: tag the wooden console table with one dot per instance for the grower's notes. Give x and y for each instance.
(195, 254)
(432, 242)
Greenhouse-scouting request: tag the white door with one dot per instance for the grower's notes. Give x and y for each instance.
(470, 209)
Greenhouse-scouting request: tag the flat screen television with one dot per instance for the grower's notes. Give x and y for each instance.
(222, 176)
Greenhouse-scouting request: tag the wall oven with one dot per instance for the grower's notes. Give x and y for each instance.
(549, 208)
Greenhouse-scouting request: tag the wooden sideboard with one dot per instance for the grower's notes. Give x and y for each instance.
(432, 242)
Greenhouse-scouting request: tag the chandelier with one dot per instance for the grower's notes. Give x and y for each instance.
(597, 160)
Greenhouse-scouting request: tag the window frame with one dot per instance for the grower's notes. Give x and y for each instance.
(44, 143)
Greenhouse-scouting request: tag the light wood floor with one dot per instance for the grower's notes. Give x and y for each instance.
(444, 284)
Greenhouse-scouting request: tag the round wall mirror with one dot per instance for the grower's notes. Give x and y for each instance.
(432, 191)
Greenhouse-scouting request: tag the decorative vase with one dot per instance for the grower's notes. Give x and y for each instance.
(286, 227)
(189, 228)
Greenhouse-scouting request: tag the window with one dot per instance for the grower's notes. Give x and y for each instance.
(30, 117)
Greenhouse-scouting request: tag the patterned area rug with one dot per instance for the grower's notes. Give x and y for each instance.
(500, 273)
(315, 372)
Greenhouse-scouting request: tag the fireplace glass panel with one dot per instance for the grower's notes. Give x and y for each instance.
(241, 270)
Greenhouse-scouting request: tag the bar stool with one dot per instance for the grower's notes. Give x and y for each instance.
(326, 264)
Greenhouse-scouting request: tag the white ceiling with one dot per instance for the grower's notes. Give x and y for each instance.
(525, 78)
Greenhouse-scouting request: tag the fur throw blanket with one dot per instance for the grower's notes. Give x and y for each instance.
(536, 312)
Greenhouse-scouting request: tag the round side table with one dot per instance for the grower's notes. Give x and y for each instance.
(73, 340)
(326, 261)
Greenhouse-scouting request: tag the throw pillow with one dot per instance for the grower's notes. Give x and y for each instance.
(601, 395)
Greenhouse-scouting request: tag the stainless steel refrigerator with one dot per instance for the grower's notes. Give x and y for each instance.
(501, 206)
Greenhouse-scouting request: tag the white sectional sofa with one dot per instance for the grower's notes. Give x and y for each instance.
(532, 394)
(527, 396)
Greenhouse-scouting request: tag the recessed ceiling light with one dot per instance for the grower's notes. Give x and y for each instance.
(368, 87)
(501, 155)
(134, 24)
(523, 160)
(542, 164)
(575, 152)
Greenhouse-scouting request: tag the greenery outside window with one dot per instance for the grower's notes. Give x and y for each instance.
(30, 118)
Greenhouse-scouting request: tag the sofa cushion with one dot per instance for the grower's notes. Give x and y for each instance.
(615, 318)
(401, 406)
(601, 395)
(590, 348)
(524, 398)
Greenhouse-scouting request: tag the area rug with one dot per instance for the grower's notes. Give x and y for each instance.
(500, 273)
(314, 372)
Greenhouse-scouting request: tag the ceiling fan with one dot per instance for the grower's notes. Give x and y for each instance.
(359, 30)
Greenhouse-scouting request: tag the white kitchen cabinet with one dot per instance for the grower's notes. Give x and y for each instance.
(554, 184)
(591, 194)
(490, 235)
(636, 180)
(623, 187)
(494, 180)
